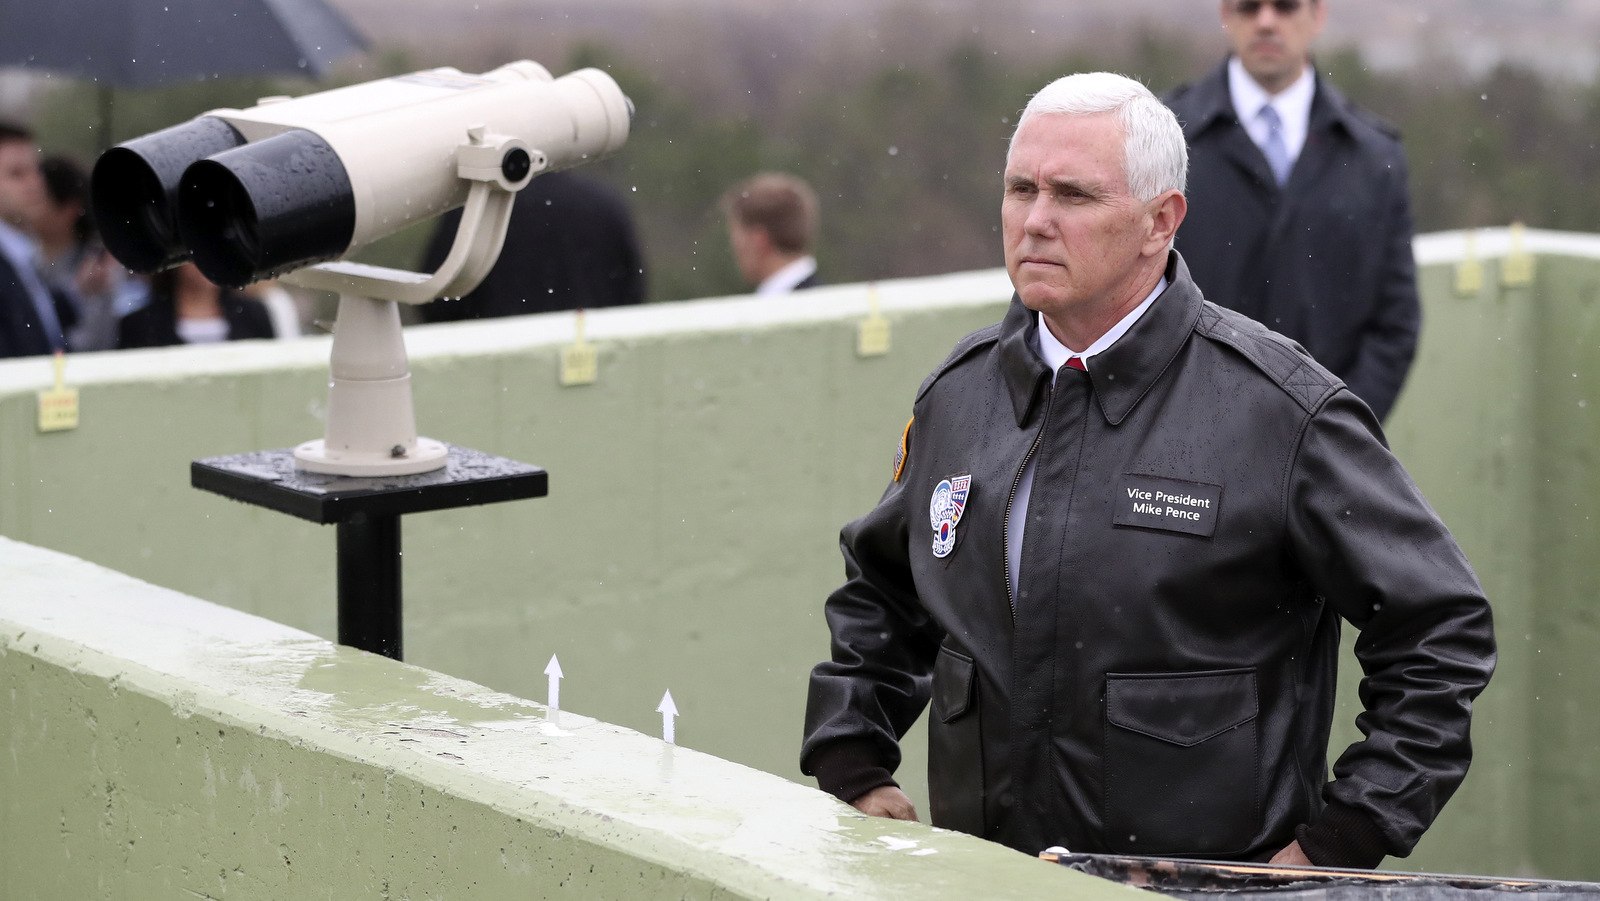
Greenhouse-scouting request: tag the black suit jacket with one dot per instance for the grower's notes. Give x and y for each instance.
(570, 244)
(21, 333)
(156, 324)
(1326, 259)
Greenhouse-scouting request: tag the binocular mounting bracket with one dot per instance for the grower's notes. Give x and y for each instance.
(371, 428)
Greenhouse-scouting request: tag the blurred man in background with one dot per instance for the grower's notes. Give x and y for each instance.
(1298, 208)
(571, 244)
(772, 225)
(31, 319)
(74, 265)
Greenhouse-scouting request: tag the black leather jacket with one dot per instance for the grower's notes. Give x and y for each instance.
(1208, 502)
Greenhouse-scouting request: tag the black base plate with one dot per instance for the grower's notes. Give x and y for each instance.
(269, 479)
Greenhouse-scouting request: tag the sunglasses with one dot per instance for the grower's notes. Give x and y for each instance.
(1249, 9)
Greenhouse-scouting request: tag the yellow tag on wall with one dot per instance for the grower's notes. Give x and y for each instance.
(872, 333)
(580, 363)
(1469, 272)
(1516, 270)
(58, 406)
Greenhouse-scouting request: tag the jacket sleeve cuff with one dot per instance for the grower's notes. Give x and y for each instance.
(1342, 837)
(849, 768)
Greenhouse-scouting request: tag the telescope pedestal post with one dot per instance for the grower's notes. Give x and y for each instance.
(372, 426)
(366, 512)
(369, 584)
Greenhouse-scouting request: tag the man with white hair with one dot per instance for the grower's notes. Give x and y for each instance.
(1123, 527)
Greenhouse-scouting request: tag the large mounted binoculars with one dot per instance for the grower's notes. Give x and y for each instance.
(285, 187)
(252, 194)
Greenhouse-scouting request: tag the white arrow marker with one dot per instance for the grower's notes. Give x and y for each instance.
(668, 710)
(553, 670)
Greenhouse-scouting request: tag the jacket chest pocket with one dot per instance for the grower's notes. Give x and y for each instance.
(955, 745)
(1182, 763)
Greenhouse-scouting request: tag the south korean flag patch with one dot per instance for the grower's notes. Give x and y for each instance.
(944, 512)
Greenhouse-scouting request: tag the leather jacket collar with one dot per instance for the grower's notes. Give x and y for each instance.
(1124, 372)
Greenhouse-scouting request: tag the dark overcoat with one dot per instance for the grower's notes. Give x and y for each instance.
(1326, 259)
(570, 244)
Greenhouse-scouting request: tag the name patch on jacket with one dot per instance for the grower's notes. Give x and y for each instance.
(1175, 505)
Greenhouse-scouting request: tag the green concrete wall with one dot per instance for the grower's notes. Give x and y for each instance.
(697, 490)
(158, 746)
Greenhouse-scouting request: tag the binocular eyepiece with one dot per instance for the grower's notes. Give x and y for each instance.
(257, 193)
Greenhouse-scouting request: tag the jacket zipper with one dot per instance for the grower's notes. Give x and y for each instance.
(1005, 525)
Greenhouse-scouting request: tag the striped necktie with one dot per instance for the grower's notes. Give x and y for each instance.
(1274, 149)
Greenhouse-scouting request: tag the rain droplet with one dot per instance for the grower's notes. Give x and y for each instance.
(893, 150)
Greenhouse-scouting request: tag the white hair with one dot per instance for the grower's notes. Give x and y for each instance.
(1155, 158)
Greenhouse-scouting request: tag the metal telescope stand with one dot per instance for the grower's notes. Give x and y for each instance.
(366, 511)
(371, 467)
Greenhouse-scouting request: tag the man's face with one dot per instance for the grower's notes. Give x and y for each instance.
(1272, 38)
(1073, 234)
(22, 194)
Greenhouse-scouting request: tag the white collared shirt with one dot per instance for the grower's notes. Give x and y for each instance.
(1056, 355)
(784, 280)
(1293, 104)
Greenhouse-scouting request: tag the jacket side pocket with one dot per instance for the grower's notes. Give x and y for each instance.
(955, 745)
(1182, 763)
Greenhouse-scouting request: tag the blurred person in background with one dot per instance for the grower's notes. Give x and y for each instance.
(571, 244)
(772, 226)
(74, 265)
(186, 308)
(33, 320)
(1299, 215)
(282, 306)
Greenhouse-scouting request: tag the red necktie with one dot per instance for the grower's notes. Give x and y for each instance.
(1077, 363)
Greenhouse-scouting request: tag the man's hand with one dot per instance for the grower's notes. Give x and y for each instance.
(889, 801)
(1291, 856)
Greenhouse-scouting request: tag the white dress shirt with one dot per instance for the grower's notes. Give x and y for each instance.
(784, 280)
(1293, 104)
(1056, 355)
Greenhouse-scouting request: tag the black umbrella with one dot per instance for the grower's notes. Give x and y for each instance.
(144, 43)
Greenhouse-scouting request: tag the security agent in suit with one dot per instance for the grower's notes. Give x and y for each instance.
(570, 244)
(1298, 208)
